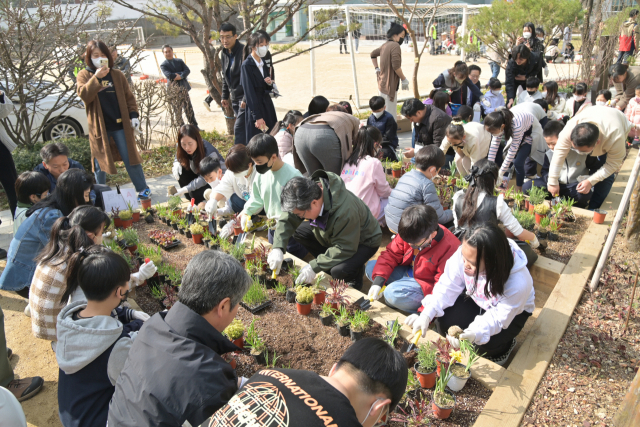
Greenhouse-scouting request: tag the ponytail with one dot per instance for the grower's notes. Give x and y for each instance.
(293, 117)
(455, 129)
(498, 118)
(481, 178)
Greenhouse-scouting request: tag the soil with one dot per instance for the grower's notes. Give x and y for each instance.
(569, 235)
(459, 371)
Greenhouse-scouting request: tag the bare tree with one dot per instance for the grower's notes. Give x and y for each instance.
(152, 105)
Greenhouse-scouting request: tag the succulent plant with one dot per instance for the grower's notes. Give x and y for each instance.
(235, 330)
(125, 215)
(196, 229)
(304, 295)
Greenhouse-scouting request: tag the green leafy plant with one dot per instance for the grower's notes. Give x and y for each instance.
(342, 316)
(396, 166)
(541, 209)
(391, 332)
(537, 195)
(129, 235)
(317, 286)
(131, 209)
(157, 293)
(125, 215)
(427, 357)
(196, 229)
(544, 223)
(518, 199)
(237, 252)
(280, 288)
(270, 363)
(304, 295)
(295, 272)
(553, 226)
(507, 193)
(472, 355)
(253, 339)
(153, 252)
(235, 330)
(326, 310)
(174, 203)
(256, 295)
(359, 321)
(526, 219)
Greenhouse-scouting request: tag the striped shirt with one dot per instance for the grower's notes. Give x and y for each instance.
(522, 122)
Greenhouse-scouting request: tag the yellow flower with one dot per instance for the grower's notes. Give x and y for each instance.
(456, 356)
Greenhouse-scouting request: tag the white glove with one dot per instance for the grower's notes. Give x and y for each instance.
(182, 191)
(275, 259)
(485, 102)
(377, 70)
(476, 107)
(405, 84)
(374, 292)
(534, 243)
(245, 222)
(176, 170)
(227, 230)
(225, 210)
(211, 206)
(468, 336)
(419, 322)
(135, 123)
(107, 234)
(455, 342)
(307, 275)
(546, 71)
(146, 270)
(140, 315)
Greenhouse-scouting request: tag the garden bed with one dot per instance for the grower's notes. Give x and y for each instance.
(570, 235)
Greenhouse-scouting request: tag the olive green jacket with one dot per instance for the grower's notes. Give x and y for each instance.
(349, 225)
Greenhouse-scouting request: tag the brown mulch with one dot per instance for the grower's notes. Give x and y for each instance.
(570, 234)
(595, 361)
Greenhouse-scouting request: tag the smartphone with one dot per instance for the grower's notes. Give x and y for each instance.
(104, 62)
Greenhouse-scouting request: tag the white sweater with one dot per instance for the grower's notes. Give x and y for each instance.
(229, 185)
(500, 311)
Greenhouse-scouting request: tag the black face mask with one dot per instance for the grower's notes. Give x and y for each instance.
(531, 93)
(401, 40)
(262, 169)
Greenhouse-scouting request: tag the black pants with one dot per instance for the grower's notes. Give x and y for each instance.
(208, 99)
(465, 310)
(8, 176)
(239, 131)
(351, 270)
(24, 292)
(566, 190)
(343, 41)
(185, 178)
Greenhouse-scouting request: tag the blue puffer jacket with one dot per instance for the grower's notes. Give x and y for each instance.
(413, 189)
(31, 238)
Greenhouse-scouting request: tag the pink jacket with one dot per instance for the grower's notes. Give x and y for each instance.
(633, 115)
(368, 182)
(285, 142)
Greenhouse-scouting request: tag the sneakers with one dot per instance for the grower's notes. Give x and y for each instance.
(144, 194)
(206, 105)
(502, 359)
(25, 388)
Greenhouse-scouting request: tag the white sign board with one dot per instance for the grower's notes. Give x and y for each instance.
(113, 200)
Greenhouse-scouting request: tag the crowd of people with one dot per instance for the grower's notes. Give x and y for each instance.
(319, 174)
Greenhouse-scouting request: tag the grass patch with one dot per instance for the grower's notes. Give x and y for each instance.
(256, 295)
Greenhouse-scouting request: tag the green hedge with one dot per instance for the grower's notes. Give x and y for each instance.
(26, 158)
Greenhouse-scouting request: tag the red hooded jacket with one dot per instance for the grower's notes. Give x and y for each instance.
(429, 263)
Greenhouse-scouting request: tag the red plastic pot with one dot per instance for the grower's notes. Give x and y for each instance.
(526, 205)
(127, 224)
(396, 173)
(303, 309)
(334, 306)
(237, 231)
(178, 213)
(239, 342)
(132, 249)
(539, 218)
(136, 217)
(319, 298)
(146, 203)
(117, 222)
(197, 238)
(427, 380)
(530, 207)
(233, 363)
(599, 216)
(442, 413)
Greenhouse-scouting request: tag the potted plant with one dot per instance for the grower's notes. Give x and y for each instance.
(536, 196)
(391, 332)
(196, 233)
(304, 298)
(415, 413)
(443, 400)
(342, 321)
(256, 297)
(599, 216)
(235, 332)
(115, 214)
(131, 240)
(426, 366)
(336, 295)
(173, 204)
(319, 291)
(567, 212)
(541, 211)
(291, 293)
(553, 228)
(396, 169)
(326, 314)
(145, 202)
(237, 229)
(526, 219)
(249, 252)
(460, 373)
(134, 212)
(256, 344)
(359, 322)
(518, 199)
(127, 218)
(543, 228)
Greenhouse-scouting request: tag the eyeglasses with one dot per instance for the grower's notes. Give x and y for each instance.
(226, 37)
(303, 214)
(421, 245)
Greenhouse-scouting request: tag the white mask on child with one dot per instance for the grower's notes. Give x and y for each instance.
(496, 92)
(601, 103)
(262, 51)
(241, 175)
(526, 35)
(579, 97)
(378, 114)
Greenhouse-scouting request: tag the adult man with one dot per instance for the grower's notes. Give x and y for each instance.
(121, 63)
(176, 72)
(361, 389)
(341, 232)
(55, 161)
(433, 33)
(390, 71)
(430, 124)
(599, 132)
(185, 344)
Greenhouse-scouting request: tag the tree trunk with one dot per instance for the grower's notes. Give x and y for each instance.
(632, 233)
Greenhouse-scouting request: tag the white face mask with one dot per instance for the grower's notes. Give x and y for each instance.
(541, 39)
(242, 174)
(97, 62)
(378, 114)
(497, 92)
(262, 51)
(579, 97)
(601, 103)
(526, 35)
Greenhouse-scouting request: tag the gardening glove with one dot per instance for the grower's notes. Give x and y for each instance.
(227, 230)
(377, 70)
(468, 336)
(225, 210)
(535, 243)
(135, 123)
(485, 102)
(419, 322)
(245, 222)
(546, 71)
(275, 259)
(140, 315)
(211, 206)
(182, 191)
(374, 292)
(476, 107)
(307, 275)
(176, 170)
(146, 270)
(405, 84)
(455, 342)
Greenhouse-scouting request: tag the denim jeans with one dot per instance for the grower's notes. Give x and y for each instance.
(601, 191)
(402, 292)
(135, 172)
(495, 69)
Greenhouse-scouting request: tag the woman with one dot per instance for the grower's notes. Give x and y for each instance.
(470, 140)
(556, 102)
(522, 65)
(456, 80)
(191, 149)
(284, 131)
(390, 71)
(491, 270)
(257, 85)
(236, 185)
(625, 80)
(112, 114)
(318, 104)
(515, 129)
(578, 101)
(529, 38)
(72, 190)
(363, 174)
(478, 205)
(552, 52)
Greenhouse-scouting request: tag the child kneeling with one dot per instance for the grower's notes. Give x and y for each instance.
(94, 336)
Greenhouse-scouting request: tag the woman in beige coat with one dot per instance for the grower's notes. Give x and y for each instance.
(112, 114)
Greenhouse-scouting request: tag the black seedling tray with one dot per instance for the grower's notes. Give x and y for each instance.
(173, 244)
(256, 309)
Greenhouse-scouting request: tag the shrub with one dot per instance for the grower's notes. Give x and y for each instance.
(235, 330)
(304, 295)
(27, 158)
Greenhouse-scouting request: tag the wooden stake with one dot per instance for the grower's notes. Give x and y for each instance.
(633, 295)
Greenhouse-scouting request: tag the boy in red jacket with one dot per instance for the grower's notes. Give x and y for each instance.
(413, 262)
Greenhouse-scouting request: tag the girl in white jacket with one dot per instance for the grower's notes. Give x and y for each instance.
(470, 140)
(492, 271)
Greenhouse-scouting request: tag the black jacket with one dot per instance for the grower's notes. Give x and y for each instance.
(432, 126)
(174, 373)
(231, 87)
(172, 68)
(533, 68)
(256, 94)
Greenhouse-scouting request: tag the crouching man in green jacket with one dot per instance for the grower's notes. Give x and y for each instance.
(340, 231)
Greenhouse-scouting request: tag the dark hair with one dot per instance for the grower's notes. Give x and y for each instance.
(530, 26)
(31, 183)
(98, 271)
(533, 82)
(617, 70)
(465, 113)
(346, 106)
(454, 130)
(496, 119)
(208, 165)
(474, 67)
(210, 277)
(266, 35)
(164, 46)
(494, 83)
(493, 247)
(68, 194)
(633, 13)
(552, 128)
(417, 222)
(543, 103)
(521, 51)
(52, 150)
(410, 107)
(552, 92)
(394, 29)
(298, 193)
(336, 107)
(540, 30)
(318, 105)
(377, 368)
(228, 26)
(263, 144)
(254, 40)
(183, 157)
(238, 159)
(103, 48)
(376, 103)
(441, 100)
(460, 67)
(292, 118)
(364, 144)
(428, 156)
(580, 89)
(585, 135)
(485, 174)
(606, 93)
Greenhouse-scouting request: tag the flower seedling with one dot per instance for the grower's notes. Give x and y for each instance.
(326, 310)
(304, 295)
(427, 358)
(196, 229)
(153, 252)
(337, 292)
(253, 340)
